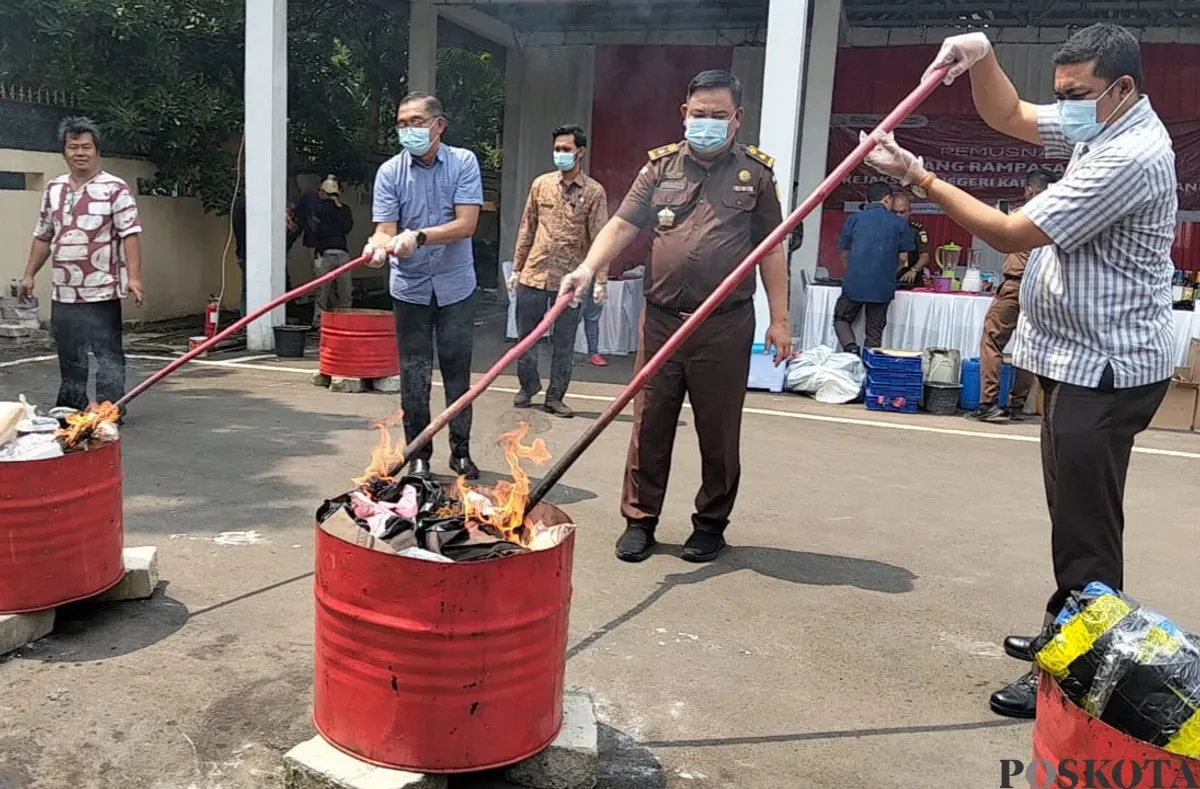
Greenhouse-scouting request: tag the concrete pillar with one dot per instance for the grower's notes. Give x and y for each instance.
(266, 164)
(422, 46)
(814, 135)
(783, 78)
(511, 196)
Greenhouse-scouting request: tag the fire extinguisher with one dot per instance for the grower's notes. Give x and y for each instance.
(212, 314)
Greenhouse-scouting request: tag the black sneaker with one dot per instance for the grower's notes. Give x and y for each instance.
(852, 348)
(465, 467)
(636, 544)
(989, 412)
(522, 400)
(702, 546)
(559, 408)
(1016, 411)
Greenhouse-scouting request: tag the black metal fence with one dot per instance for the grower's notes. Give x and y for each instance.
(29, 120)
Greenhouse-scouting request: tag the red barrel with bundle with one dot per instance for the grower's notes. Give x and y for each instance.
(441, 667)
(62, 529)
(359, 344)
(1063, 731)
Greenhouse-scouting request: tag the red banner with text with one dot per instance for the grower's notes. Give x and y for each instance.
(991, 166)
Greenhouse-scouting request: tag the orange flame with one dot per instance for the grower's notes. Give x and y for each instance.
(84, 423)
(386, 455)
(506, 512)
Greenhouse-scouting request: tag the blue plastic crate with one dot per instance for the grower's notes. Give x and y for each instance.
(890, 378)
(878, 401)
(876, 359)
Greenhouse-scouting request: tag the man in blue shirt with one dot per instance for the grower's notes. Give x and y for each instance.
(873, 244)
(426, 207)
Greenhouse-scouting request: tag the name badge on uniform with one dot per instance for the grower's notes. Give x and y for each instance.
(666, 219)
(743, 188)
(672, 186)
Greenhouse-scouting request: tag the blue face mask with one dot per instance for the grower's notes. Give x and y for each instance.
(707, 134)
(1078, 117)
(414, 139)
(564, 160)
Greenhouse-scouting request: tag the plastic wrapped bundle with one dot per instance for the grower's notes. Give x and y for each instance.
(1128, 666)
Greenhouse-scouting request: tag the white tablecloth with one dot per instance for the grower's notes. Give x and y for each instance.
(917, 321)
(618, 320)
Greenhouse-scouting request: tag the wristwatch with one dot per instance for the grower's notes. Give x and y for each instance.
(420, 238)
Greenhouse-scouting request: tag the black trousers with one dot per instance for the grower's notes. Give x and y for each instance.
(845, 312)
(452, 328)
(78, 329)
(1087, 438)
(532, 306)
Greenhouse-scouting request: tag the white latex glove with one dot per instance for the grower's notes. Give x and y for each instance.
(599, 293)
(377, 250)
(404, 244)
(576, 284)
(889, 158)
(511, 283)
(960, 53)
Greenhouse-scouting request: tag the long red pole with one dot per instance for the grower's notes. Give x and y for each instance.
(727, 286)
(238, 324)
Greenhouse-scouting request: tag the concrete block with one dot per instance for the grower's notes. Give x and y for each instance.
(571, 760)
(347, 385)
(18, 630)
(391, 384)
(321, 379)
(141, 576)
(14, 331)
(318, 765)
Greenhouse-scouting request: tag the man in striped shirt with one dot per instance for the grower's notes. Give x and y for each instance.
(1095, 325)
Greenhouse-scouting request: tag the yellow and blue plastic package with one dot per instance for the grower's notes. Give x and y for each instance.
(1128, 666)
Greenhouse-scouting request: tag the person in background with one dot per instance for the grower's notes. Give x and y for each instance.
(89, 230)
(292, 232)
(916, 271)
(426, 208)
(998, 326)
(563, 214)
(1096, 325)
(710, 202)
(593, 306)
(330, 223)
(874, 244)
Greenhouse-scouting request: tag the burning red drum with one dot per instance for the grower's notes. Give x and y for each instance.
(1063, 731)
(441, 668)
(62, 529)
(359, 344)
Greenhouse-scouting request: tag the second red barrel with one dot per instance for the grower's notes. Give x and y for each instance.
(61, 521)
(359, 344)
(441, 667)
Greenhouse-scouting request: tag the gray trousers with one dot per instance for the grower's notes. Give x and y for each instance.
(335, 295)
(532, 306)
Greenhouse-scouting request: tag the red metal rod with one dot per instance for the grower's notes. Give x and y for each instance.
(232, 328)
(479, 387)
(727, 286)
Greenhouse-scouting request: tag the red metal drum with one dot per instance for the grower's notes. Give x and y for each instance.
(1064, 731)
(359, 344)
(441, 668)
(62, 529)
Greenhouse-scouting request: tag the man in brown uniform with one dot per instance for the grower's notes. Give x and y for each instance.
(709, 202)
(998, 327)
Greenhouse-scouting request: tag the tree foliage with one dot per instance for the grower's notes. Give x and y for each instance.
(165, 77)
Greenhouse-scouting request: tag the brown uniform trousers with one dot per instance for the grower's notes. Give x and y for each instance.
(998, 327)
(711, 368)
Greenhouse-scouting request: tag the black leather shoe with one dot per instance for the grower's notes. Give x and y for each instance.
(1017, 699)
(1019, 647)
(464, 466)
(522, 400)
(635, 545)
(702, 546)
(419, 468)
(559, 408)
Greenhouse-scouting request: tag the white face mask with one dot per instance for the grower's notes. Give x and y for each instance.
(1078, 116)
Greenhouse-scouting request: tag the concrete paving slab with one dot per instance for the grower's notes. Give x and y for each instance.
(316, 764)
(141, 576)
(571, 760)
(19, 630)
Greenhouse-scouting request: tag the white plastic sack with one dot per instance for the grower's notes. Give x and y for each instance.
(830, 377)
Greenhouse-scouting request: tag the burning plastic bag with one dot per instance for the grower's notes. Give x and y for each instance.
(1128, 666)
